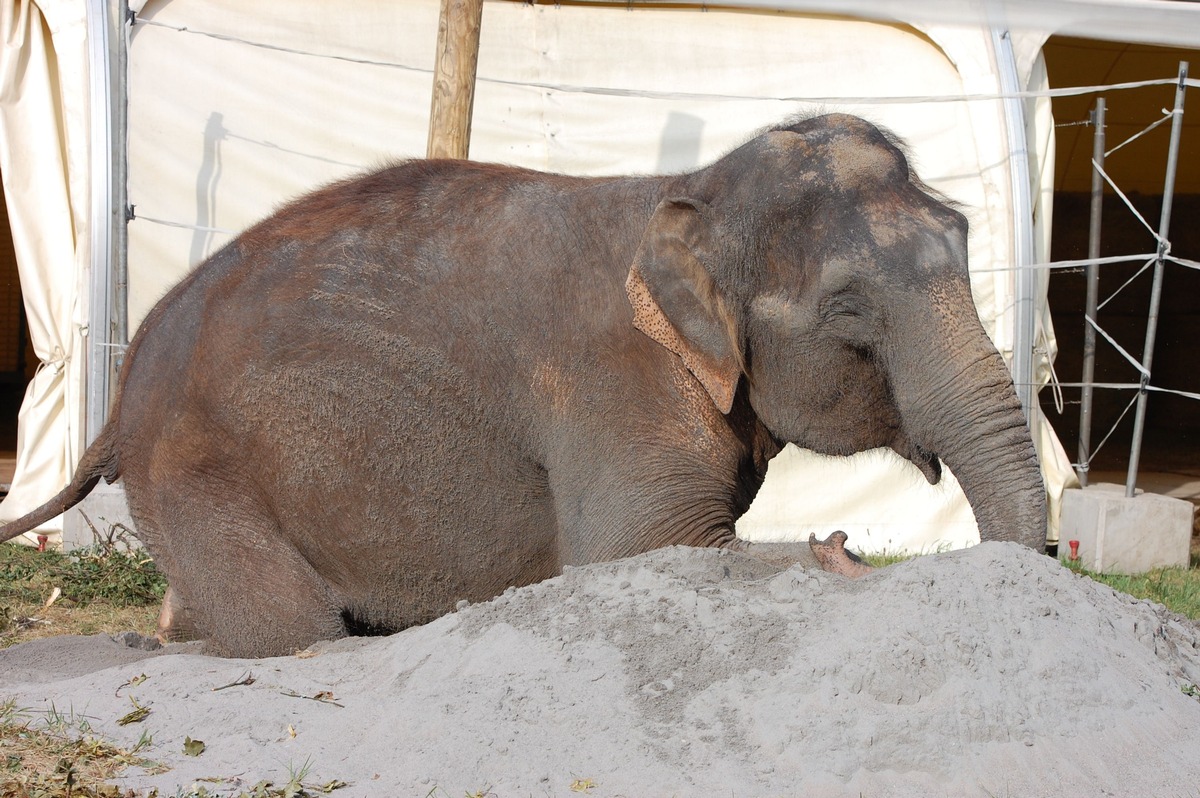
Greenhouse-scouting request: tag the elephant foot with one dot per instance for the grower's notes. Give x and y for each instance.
(832, 555)
(173, 623)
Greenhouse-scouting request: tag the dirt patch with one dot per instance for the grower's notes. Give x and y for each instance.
(990, 671)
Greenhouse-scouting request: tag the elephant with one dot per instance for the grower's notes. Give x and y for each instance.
(435, 381)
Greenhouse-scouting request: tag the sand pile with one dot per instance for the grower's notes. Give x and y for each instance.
(990, 671)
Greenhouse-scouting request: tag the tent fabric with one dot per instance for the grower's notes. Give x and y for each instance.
(222, 130)
(1162, 22)
(45, 166)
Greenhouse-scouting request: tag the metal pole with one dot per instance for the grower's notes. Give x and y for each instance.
(1025, 281)
(1093, 290)
(96, 357)
(107, 316)
(1164, 226)
(121, 210)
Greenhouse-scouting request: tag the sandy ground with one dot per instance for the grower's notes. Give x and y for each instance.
(991, 672)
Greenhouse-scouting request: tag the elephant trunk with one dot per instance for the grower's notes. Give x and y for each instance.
(962, 407)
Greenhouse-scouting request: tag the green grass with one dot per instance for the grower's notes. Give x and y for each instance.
(887, 558)
(107, 571)
(1178, 589)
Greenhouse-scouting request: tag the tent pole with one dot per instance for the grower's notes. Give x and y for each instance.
(1164, 228)
(107, 329)
(456, 59)
(1093, 290)
(122, 213)
(1025, 289)
(96, 343)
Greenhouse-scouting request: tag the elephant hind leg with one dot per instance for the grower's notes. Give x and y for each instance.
(263, 602)
(237, 584)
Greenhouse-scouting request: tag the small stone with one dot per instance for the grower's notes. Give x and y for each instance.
(137, 641)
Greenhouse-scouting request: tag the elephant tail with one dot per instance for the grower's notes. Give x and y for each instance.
(100, 460)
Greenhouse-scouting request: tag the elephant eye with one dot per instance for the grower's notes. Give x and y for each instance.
(842, 304)
(864, 354)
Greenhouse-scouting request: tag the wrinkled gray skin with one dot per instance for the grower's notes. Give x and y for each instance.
(432, 382)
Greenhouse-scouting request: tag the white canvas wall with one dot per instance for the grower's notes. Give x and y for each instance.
(44, 160)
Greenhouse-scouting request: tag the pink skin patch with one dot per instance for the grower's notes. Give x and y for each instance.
(832, 555)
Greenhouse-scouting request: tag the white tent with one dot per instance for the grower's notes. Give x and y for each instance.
(236, 106)
(45, 124)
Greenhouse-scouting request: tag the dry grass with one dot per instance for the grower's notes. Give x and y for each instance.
(107, 588)
(27, 622)
(55, 755)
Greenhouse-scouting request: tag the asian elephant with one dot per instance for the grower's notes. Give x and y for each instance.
(435, 381)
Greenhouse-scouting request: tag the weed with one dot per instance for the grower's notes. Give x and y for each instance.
(56, 722)
(145, 740)
(297, 776)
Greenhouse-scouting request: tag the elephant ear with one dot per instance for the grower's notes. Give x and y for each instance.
(675, 301)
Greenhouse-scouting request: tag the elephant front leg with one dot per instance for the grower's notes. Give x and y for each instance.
(828, 555)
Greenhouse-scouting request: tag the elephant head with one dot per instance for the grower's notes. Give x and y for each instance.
(812, 264)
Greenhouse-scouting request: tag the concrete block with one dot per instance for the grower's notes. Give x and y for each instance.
(105, 507)
(1124, 535)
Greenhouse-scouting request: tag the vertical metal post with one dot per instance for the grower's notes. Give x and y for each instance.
(1026, 279)
(1093, 290)
(1164, 226)
(97, 373)
(107, 333)
(121, 209)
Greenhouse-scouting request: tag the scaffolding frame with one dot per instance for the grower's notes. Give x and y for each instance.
(1157, 262)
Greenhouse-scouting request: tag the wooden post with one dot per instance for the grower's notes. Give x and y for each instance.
(454, 79)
